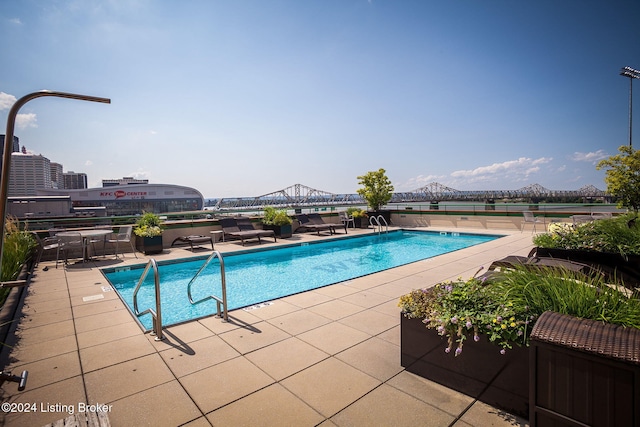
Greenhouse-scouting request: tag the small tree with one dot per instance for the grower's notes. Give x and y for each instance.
(376, 188)
(623, 177)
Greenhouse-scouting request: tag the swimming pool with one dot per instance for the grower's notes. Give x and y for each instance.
(258, 276)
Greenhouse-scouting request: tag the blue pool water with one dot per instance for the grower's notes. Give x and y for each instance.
(263, 275)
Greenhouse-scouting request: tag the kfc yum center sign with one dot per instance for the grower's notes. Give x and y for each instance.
(121, 194)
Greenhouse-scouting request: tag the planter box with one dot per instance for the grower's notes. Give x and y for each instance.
(361, 222)
(282, 231)
(614, 264)
(481, 372)
(149, 245)
(584, 372)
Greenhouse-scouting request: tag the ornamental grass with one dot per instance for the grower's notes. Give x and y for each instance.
(503, 311)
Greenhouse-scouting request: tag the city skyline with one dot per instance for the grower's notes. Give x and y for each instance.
(246, 98)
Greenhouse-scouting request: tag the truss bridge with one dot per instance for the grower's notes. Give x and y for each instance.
(300, 196)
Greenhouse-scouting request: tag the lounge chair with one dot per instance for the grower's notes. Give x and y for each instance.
(307, 225)
(230, 229)
(315, 218)
(245, 224)
(534, 262)
(190, 240)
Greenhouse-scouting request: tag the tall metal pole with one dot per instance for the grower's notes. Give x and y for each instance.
(630, 112)
(632, 74)
(8, 143)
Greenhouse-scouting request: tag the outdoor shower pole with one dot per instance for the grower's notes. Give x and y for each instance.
(8, 143)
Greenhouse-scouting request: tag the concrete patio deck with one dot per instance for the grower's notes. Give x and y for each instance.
(326, 357)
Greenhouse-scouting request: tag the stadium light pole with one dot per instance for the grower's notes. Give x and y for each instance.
(632, 74)
(8, 143)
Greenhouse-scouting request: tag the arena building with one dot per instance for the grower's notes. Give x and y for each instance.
(133, 199)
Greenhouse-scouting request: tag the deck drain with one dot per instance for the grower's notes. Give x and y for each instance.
(93, 298)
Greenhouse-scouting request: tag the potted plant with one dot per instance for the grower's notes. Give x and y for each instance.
(278, 221)
(472, 336)
(377, 191)
(360, 217)
(148, 230)
(18, 255)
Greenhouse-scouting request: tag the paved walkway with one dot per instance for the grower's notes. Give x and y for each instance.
(328, 357)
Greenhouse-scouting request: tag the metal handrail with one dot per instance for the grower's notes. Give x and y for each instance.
(157, 314)
(221, 313)
(378, 225)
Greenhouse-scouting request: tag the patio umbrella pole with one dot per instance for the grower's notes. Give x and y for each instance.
(8, 143)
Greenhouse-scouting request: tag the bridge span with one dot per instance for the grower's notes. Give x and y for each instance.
(299, 196)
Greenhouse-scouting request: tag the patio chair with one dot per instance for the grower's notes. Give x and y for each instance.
(99, 239)
(123, 236)
(68, 242)
(529, 218)
(44, 245)
(347, 219)
(230, 228)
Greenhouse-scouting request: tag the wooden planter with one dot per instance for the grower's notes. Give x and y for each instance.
(282, 231)
(149, 245)
(481, 372)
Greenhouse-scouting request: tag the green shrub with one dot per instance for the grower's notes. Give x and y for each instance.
(18, 246)
(273, 216)
(356, 212)
(618, 235)
(506, 308)
(148, 225)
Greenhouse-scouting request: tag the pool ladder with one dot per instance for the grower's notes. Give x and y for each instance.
(377, 221)
(157, 314)
(219, 301)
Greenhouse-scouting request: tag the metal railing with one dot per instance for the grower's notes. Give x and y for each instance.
(157, 314)
(377, 221)
(223, 300)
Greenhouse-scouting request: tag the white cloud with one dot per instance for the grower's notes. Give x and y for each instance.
(522, 166)
(27, 120)
(6, 101)
(589, 157)
(16, 21)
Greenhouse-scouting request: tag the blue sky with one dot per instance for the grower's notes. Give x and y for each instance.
(246, 97)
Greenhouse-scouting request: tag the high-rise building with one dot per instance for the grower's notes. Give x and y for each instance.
(14, 149)
(57, 180)
(29, 173)
(74, 180)
(16, 144)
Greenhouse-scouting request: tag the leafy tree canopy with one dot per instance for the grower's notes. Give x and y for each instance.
(623, 177)
(376, 188)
